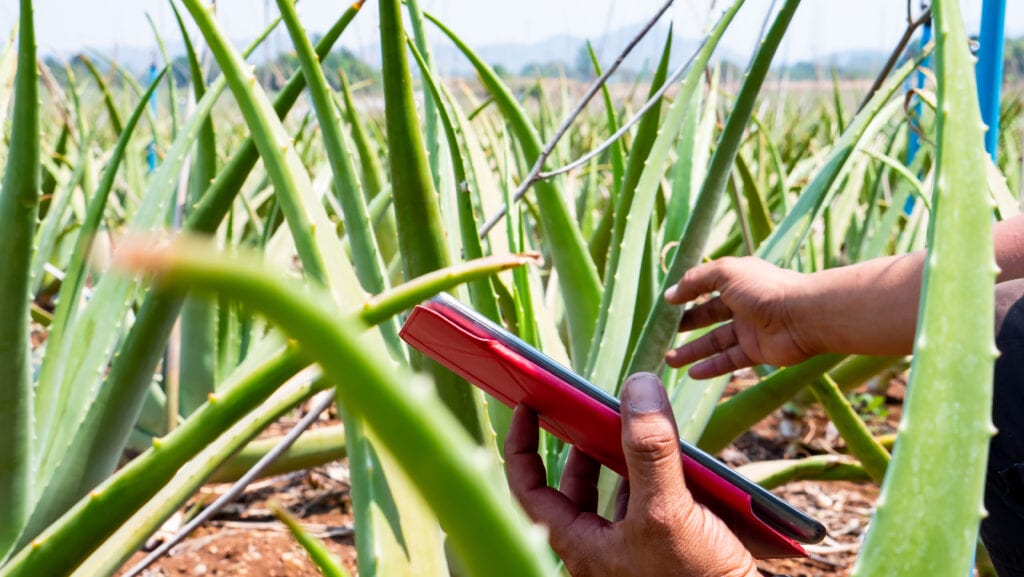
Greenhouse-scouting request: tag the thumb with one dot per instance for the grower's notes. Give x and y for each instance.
(651, 446)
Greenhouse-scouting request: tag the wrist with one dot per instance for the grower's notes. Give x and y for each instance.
(866, 308)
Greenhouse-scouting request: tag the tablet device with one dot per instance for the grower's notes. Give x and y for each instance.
(584, 415)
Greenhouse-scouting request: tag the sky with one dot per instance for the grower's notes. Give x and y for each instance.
(821, 27)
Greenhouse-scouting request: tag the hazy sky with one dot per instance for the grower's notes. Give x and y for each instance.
(820, 27)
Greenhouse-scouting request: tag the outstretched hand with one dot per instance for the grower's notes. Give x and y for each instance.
(756, 298)
(659, 530)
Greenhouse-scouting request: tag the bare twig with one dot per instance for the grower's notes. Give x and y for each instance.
(321, 405)
(669, 82)
(912, 26)
(538, 166)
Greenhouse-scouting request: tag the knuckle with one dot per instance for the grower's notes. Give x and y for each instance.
(579, 565)
(652, 446)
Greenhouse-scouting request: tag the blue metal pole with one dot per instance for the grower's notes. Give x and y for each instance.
(913, 141)
(151, 149)
(989, 69)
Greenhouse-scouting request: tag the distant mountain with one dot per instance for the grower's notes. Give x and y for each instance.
(554, 53)
(563, 49)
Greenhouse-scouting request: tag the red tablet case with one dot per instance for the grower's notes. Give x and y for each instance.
(572, 415)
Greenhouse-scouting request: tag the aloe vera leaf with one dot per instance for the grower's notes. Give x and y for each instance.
(872, 456)
(577, 276)
(483, 181)
(321, 556)
(108, 98)
(66, 542)
(693, 403)
(789, 234)
(313, 234)
(927, 520)
(346, 184)
(147, 514)
(56, 214)
(362, 488)
(404, 296)
(358, 229)
(409, 420)
(431, 135)
(772, 474)
(60, 150)
(105, 312)
(314, 448)
(778, 196)
(421, 235)
(601, 236)
(757, 210)
(98, 419)
(208, 214)
(663, 319)
(740, 213)
(52, 371)
(616, 152)
(1007, 205)
(198, 346)
(416, 209)
(481, 294)
(633, 208)
(916, 186)
(692, 156)
(744, 409)
(19, 198)
(372, 173)
(172, 87)
(8, 70)
(252, 383)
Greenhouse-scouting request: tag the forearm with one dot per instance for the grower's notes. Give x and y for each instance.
(871, 307)
(868, 308)
(1008, 242)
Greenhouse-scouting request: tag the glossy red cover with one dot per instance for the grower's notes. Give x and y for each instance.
(572, 415)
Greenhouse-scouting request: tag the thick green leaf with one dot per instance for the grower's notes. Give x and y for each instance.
(927, 519)
(410, 421)
(19, 198)
(421, 234)
(663, 319)
(53, 369)
(633, 211)
(577, 274)
(198, 346)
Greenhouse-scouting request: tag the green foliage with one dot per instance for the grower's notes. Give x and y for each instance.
(356, 214)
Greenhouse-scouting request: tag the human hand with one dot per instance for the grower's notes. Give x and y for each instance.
(759, 299)
(659, 530)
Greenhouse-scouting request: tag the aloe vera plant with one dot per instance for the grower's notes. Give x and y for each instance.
(806, 188)
(429, 444)
(954, 350)
(18, 202)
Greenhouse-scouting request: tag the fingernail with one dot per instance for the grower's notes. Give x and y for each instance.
(644, 393)
(670, 294)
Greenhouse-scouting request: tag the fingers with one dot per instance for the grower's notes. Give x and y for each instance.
(695, 282)
(570, 528)
(705, 314)
(732, 359)
(622, 500)
(717, 341)
(651, 447)
(579, 480)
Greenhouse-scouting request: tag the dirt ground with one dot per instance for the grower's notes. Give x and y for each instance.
(246, 539)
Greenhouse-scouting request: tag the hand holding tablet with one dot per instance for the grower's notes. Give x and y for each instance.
(579, 413)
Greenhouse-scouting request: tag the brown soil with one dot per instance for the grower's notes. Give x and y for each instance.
(245, 539)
